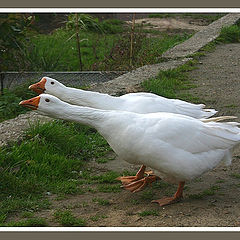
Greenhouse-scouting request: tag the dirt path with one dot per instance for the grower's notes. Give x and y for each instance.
(212, 200)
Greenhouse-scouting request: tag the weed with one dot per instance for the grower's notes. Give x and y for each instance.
(208, 192)
(128, 173)
(145, 51)
(97, 217)
(27, 214)
(100, 201)
(197, 180)
(147, 195)
(67, 187)
(149, 213)
(170, 82)
(112, 26)
(220, 181)
(2, 218)
(135, 201)
(235, 175)
(160, 185)
(230, 34)
(231, 106)
(31, 222)
(102, 160)
(66, 218)
(108, 177)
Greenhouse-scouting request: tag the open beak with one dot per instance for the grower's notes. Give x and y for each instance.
(31, 103)
(39, 87)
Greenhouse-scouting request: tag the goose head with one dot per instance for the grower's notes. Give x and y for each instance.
(45, 104)
(47, 85)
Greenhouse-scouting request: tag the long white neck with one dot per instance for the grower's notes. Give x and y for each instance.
(84, 115)
(88, 98)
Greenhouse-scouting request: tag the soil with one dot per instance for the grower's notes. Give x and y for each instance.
(218, 85)
(173, 25)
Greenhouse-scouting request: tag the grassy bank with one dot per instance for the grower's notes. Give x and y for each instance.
(105, 52)
(170, 83)
(51, 160)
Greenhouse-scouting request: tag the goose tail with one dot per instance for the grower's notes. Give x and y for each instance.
(218, 119)
(208, 113)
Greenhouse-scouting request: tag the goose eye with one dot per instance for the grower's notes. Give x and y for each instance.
(47, 100)
(52, 83)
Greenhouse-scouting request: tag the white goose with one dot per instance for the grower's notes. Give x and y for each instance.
(131, 102)
(179, 147)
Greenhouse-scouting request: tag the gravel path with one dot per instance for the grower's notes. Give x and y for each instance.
(201, 38)
(218, 78)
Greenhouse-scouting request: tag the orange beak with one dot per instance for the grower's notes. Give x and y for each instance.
(31, 103)
(39, 87)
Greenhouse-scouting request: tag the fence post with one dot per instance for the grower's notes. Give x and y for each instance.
(132, 38)
(78, 43)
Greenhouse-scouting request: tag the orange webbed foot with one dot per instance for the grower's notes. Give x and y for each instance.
(130, 179)
(169, 200)
(166, 201)
(140, 184)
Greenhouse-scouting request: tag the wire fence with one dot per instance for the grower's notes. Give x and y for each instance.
(13, 79)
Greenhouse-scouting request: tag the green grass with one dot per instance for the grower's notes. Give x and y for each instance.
(101, 201)
(231, 106)
(235, 175)
(108, 177)
(109, 51)
(169, 83)
(230, 34)
(67, 219)
(220, 181)
(145, 50)
(27, 214)
(207, 192)
(97, 217)
(31, 222)
(147, 195)
(149, 213)
(104, 160)
(58, 51)
(9, 101)
(51, 158)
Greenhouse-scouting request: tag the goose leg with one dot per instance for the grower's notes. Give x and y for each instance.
(129, 179)
(169, 200)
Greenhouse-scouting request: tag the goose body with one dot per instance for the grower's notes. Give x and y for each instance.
(181, 148)
(131, 102)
